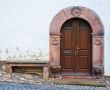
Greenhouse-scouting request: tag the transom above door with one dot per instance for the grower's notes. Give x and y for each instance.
(75, 47)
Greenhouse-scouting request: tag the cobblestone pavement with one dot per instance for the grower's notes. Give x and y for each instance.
(16, 86)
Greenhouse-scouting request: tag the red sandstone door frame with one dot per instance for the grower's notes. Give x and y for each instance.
(97, 35)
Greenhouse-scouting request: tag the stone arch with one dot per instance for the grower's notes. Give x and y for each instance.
(97, 34)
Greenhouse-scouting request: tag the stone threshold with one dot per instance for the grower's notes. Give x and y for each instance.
(80, 80)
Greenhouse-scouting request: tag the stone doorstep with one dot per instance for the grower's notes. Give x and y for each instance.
(77, 80)
(78, 77)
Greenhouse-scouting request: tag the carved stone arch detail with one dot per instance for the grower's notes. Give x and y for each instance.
(97, 34)
(77, 12)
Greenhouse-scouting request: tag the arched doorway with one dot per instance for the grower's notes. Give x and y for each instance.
(76, 47)
(97, 32)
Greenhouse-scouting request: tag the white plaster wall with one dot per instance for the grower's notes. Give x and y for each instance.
(24, 25)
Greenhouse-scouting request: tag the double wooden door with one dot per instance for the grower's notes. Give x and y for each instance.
(76, 47)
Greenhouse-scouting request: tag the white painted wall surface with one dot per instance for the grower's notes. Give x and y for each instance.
(24, 26)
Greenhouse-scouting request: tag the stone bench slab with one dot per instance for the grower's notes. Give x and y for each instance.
(30, 61)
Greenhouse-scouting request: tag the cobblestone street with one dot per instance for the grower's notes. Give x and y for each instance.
(15, 86)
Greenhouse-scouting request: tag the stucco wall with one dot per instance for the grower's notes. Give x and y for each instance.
(24, 26)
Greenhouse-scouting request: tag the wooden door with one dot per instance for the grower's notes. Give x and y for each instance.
(76, 46)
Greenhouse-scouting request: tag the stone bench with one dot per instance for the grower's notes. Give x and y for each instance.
(28, 63)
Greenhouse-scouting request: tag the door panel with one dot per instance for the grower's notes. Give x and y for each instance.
(68, 63)
(68, 39)
(82, 64)
(76, 46)
(67, 49)
(83, 59)
(83, 34)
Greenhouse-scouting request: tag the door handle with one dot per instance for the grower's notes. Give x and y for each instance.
(77, 50)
